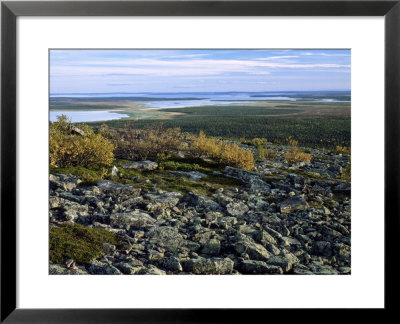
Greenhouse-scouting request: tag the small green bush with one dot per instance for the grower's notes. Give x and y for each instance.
(77, 242)
(173, 165)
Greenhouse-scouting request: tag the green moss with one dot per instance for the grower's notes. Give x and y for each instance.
(88, 175)
(78, 242)
(174, 165)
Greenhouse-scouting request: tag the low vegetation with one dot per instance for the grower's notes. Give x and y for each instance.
(141, 144)
(69, 147)
(343, 149)
(77, 242)
(294, 154)
(230, 154)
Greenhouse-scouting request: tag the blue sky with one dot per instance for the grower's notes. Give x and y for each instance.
(99, 71)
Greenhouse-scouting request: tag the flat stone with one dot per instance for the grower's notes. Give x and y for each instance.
(237, 209)
(259, 267)
(293, 204)
(115, 188)
(209, 266)
(254, 250)
(56, 269)
(141, 165)
(100, 268)
(136, 218)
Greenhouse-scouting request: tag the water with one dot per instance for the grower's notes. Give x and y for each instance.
(86, 115)
(151, 101)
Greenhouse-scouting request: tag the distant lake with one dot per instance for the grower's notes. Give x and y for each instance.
(86, 116)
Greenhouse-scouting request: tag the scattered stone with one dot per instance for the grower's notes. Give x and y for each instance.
(293, 204)
(258, 267)
(114, 171)
(141, 165)
(115, 188)
(237, 209)
(136, 218)
(209, 266)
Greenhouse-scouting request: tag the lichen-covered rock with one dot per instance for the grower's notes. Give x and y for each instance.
(100, 268)
(254, 250)
(136, 218)
(56, 269)
(162, 201)
(250, 178)
(237, 208)
(258, 267)
(141, 165)
(111, 187)
(212, 247)
(293, 204)
(209, 266)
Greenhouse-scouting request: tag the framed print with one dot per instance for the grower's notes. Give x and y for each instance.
(164, 158)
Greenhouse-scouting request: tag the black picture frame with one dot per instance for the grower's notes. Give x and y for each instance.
(10, 10)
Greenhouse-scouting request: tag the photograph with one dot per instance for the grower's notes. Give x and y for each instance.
(199, 161)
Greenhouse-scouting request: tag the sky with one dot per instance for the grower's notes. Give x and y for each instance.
(106, 71)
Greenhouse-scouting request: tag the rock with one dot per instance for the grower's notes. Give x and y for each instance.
(151, 270)
(63, 182)
(192, 175)
(335, 170)
(285, 263)
(300, 269)
(293, 204)
(162, 201)
(166, 237)
(200, 203)
(237, 209)
(77, 131)
(141, 165)
(115, 188)
(258, 267)
(322, 248)
(114, 171)
(322, 269)
(171, 264)
(263, 237)
(344, 188)
(212, 247)
(209, 266)
(131, 267)
(254, 250)
(56, 269)
(136, 218)
(252, 179)
(100, 268)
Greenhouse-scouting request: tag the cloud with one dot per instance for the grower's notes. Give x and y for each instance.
(158, 67)
(276, 57)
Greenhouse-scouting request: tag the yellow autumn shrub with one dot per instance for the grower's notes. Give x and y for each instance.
(294, 154)
(226, 153)
(343, 149)
(69, 148)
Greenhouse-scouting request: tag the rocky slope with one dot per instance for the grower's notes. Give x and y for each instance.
(281, 220)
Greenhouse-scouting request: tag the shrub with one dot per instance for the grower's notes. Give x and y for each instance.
(291, 141)
(230, 154)
(265, 153)
(68, 148)
(77, 242)
(153, 142)
(343, 149)
(294, 155)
